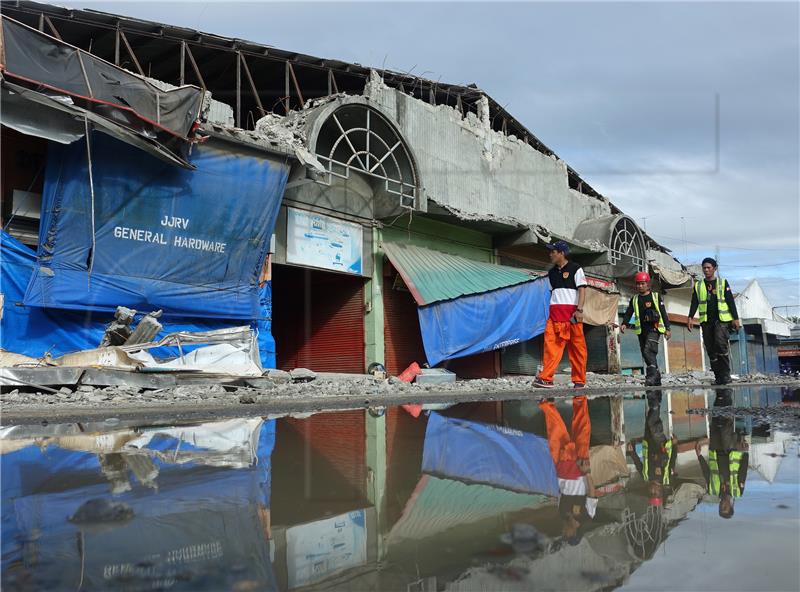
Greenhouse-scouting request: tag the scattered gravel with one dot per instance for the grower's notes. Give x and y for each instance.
(303, 384)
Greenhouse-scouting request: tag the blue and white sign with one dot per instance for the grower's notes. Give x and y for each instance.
(320, 241)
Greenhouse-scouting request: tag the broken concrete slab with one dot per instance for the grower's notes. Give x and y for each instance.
(47, 376)
(303, 375)
(278, 376)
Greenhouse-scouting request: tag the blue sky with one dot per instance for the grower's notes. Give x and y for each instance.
(633, 95)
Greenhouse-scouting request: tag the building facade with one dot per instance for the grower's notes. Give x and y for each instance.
(392, 179)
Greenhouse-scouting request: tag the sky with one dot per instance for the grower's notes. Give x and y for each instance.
(756, 549)
(684, 114)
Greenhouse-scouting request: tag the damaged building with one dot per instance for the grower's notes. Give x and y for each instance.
(356, 216)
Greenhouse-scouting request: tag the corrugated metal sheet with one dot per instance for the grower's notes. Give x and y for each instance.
(438, 505)
(524, 357)
(432, 276)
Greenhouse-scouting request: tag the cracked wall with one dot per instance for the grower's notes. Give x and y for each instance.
(464, 164)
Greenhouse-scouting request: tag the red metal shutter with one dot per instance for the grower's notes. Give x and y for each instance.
(402, 337)
(337, 465)
(318, 320)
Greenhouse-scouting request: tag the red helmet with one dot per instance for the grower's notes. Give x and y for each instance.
(642, 276)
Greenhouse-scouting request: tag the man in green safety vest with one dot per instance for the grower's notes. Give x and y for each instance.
(657, 463)
(725, 471)
(713, 298)
(650, 322)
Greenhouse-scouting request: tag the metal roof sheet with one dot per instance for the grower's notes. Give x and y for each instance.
(432, 276)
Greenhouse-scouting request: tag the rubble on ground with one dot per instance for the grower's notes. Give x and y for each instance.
(302, 384)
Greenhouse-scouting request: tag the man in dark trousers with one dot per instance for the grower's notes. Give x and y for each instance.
(725, 471)
(657, 463)
(650, 322)
(713, 298)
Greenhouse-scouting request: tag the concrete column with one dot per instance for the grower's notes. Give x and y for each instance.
(377, 464)
(614, 358)
(373, 305)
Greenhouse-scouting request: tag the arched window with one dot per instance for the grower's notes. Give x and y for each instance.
(358, 138)
(627, 241)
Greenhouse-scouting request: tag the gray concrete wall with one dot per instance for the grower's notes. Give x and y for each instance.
(464, 164)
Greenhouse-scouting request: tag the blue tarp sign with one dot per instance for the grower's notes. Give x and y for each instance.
(34, 331)
(189, 242)
(493, 455)
(484, 322)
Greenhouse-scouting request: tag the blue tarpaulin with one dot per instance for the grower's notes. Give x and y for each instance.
(200, 520)
(493, 455)
(484, 322)
(33, 331)
(189, 242)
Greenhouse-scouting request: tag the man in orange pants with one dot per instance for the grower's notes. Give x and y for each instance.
(565, 323)
(570, 454)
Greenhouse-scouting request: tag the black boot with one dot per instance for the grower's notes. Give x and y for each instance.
(652, 376)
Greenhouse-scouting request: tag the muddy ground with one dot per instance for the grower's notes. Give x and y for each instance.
(281, 394)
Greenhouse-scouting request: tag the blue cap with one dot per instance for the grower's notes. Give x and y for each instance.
(559, 246)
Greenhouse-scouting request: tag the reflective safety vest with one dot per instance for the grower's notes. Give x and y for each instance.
(714, 483)
(664, 469)
(637, 323)
(702, 298)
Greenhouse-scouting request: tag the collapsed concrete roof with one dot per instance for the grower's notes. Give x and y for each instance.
(290, 85)
(139, 41)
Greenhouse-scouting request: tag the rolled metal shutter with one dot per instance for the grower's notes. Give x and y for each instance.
(597, 348)
(318, 320)
(402, 337)
(523, 358)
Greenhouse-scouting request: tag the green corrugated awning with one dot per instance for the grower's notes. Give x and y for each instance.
(439, 505)
(432, 276)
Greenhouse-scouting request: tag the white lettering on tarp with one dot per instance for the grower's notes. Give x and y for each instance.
(174, 222)
(159, 238)
(139, 234)
(199, 243)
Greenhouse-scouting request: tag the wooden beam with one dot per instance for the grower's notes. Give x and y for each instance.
(52, 27)
(333, 80)
(252, 85)
(195, 68)
(296, 85)
(130, 52)
(183, 63)
(238, 90)
(286, 89)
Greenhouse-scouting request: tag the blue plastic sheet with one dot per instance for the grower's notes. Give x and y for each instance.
(189, 242)
(484, 322)
(33, 331)
(493, 455)
(209, 512)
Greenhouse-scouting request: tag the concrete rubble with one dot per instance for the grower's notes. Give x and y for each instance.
(304, 385)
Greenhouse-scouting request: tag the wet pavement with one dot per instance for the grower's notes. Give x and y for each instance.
(460, 497)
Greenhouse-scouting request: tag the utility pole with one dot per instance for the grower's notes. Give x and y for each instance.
(716, 256)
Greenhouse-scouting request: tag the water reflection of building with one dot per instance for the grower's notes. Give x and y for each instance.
(351, 502)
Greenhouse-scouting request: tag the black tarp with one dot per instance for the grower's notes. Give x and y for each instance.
(45, 63)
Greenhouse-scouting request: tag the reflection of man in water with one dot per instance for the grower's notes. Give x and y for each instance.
(725, 471)
(657, 464)
(570, 452)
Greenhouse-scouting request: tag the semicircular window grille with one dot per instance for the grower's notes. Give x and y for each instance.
(358, 138)
(627, 241)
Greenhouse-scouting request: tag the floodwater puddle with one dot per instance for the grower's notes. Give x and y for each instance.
(415, 498)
